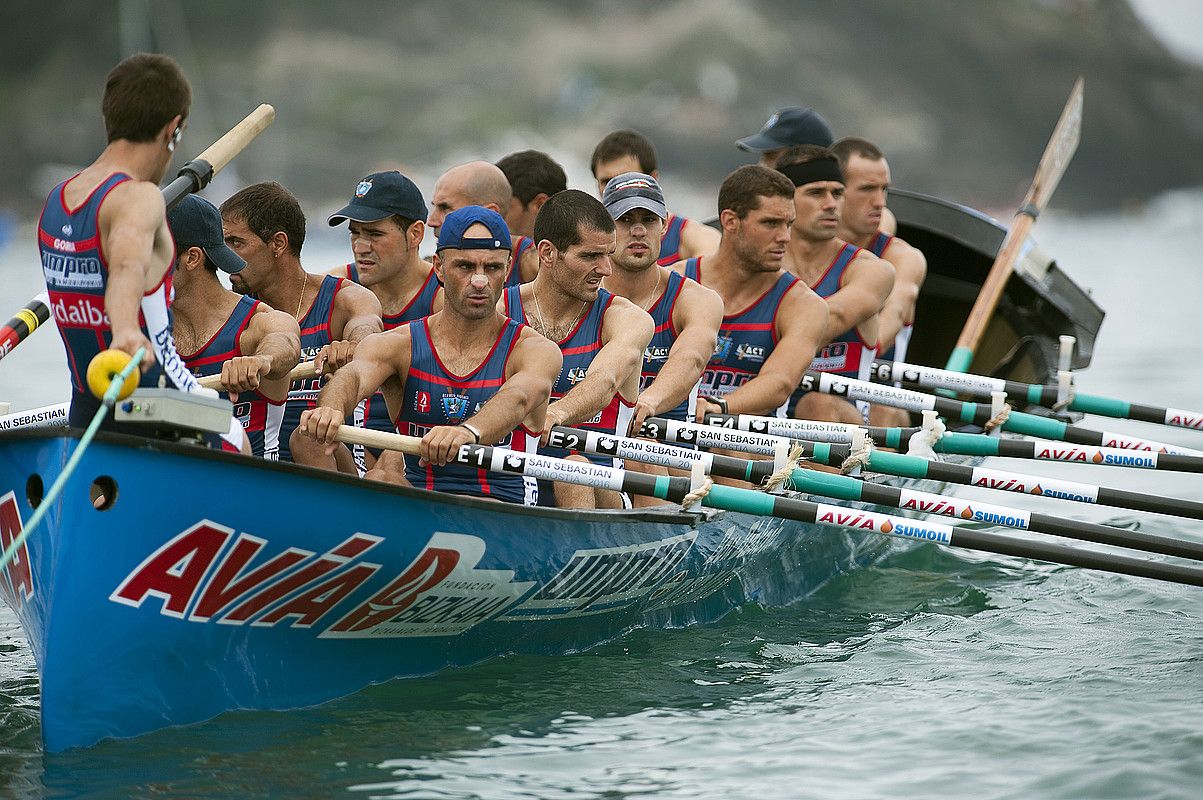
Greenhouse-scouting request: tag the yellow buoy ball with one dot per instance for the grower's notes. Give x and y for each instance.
(106, 365)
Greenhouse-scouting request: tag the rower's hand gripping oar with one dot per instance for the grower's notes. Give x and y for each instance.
(758, 503)
(1057, 154)
(117, 384)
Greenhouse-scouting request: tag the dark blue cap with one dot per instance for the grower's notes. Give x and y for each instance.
(788, 127)
(380, 195)
(195, 222)
(451, 234)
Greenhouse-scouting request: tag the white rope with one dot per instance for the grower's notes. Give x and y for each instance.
(858, 458)
(695, 495)
(783, 474)
(922, 443)
(998, 419)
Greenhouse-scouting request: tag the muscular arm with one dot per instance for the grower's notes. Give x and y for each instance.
(530, 373)
(867, 284)
(801, 322)
(130, 218)
(528, 267)
(697, 317)
(356, 313)
(910, 270)
(625, 333)
(272, 347)
(377, 358)
(698, 239)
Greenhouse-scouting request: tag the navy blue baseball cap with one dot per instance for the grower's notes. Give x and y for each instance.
(381, 195)
(787, 127)
(451, 234)
(195, 222)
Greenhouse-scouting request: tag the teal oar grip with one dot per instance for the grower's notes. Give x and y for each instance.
(960, 360)
(827, 484)
(898, 464)
(1105, 406)
(967, 444)
(1032, 425)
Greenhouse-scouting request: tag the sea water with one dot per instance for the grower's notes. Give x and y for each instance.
(936, 673)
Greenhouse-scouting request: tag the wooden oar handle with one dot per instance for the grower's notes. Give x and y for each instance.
(348, 434)
(299, 372)
(222, 151)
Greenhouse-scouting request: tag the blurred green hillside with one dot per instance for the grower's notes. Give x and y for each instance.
(962, 95)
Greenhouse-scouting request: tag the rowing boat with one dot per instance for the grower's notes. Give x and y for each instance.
(209, 582)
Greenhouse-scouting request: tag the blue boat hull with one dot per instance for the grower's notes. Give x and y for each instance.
(216, 582)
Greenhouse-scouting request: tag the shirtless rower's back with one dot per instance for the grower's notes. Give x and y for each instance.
(466, 374)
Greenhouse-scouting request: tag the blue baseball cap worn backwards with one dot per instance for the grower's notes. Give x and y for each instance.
(451, 234)
(195, 222)
(379, 196)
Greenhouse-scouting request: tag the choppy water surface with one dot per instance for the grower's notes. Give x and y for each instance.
(933, 674)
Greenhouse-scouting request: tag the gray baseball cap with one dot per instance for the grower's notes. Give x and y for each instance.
(634, 190)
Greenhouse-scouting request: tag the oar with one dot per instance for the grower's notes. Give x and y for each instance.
(1057, 154)
(666, 430)
(301, 371)
(761, 504)
(24, 322)
(664, 455)
(1033, 393)
(193, 176)
(41, 417)
(969, 444)
(845, 488)
(978, 414)
(111, 394)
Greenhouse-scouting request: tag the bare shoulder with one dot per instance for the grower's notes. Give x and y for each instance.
(904, 255)
(869, 267)
(134, 199)
(535, 344)
(623, 312)
(702, 239)
(357, 298)
(696, 296)
(269, 319)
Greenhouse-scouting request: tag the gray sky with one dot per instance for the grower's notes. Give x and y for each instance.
(1179, 23)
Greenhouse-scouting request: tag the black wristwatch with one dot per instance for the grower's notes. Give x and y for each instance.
(721, 402)
(472, 430)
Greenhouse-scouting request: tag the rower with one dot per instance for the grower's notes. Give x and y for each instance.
(533, 177)
(479, 183)
(103, 237)
(386, 219)
(867, 182)
(602, 336)
(792, 126)
(464, 375)
(265, 226)
(218, 332)
(620, 152)
(854, 282)
(773, 323)
(686, 314)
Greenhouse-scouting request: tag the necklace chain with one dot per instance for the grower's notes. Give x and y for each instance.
(556, 334)
(651, 298)
(301, 299)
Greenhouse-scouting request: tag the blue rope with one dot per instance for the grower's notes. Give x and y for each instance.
(107, 402)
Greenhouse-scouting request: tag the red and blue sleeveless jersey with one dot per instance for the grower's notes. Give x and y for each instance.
(847, 354)
(656, 353)
(745, 339)
(76, 273)
(897, 352)
(260, 415)
(434, 396)
(670, 243)
(315, 334)
(517, 250)
(375, 412)
(579, 349)
(878, 244)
